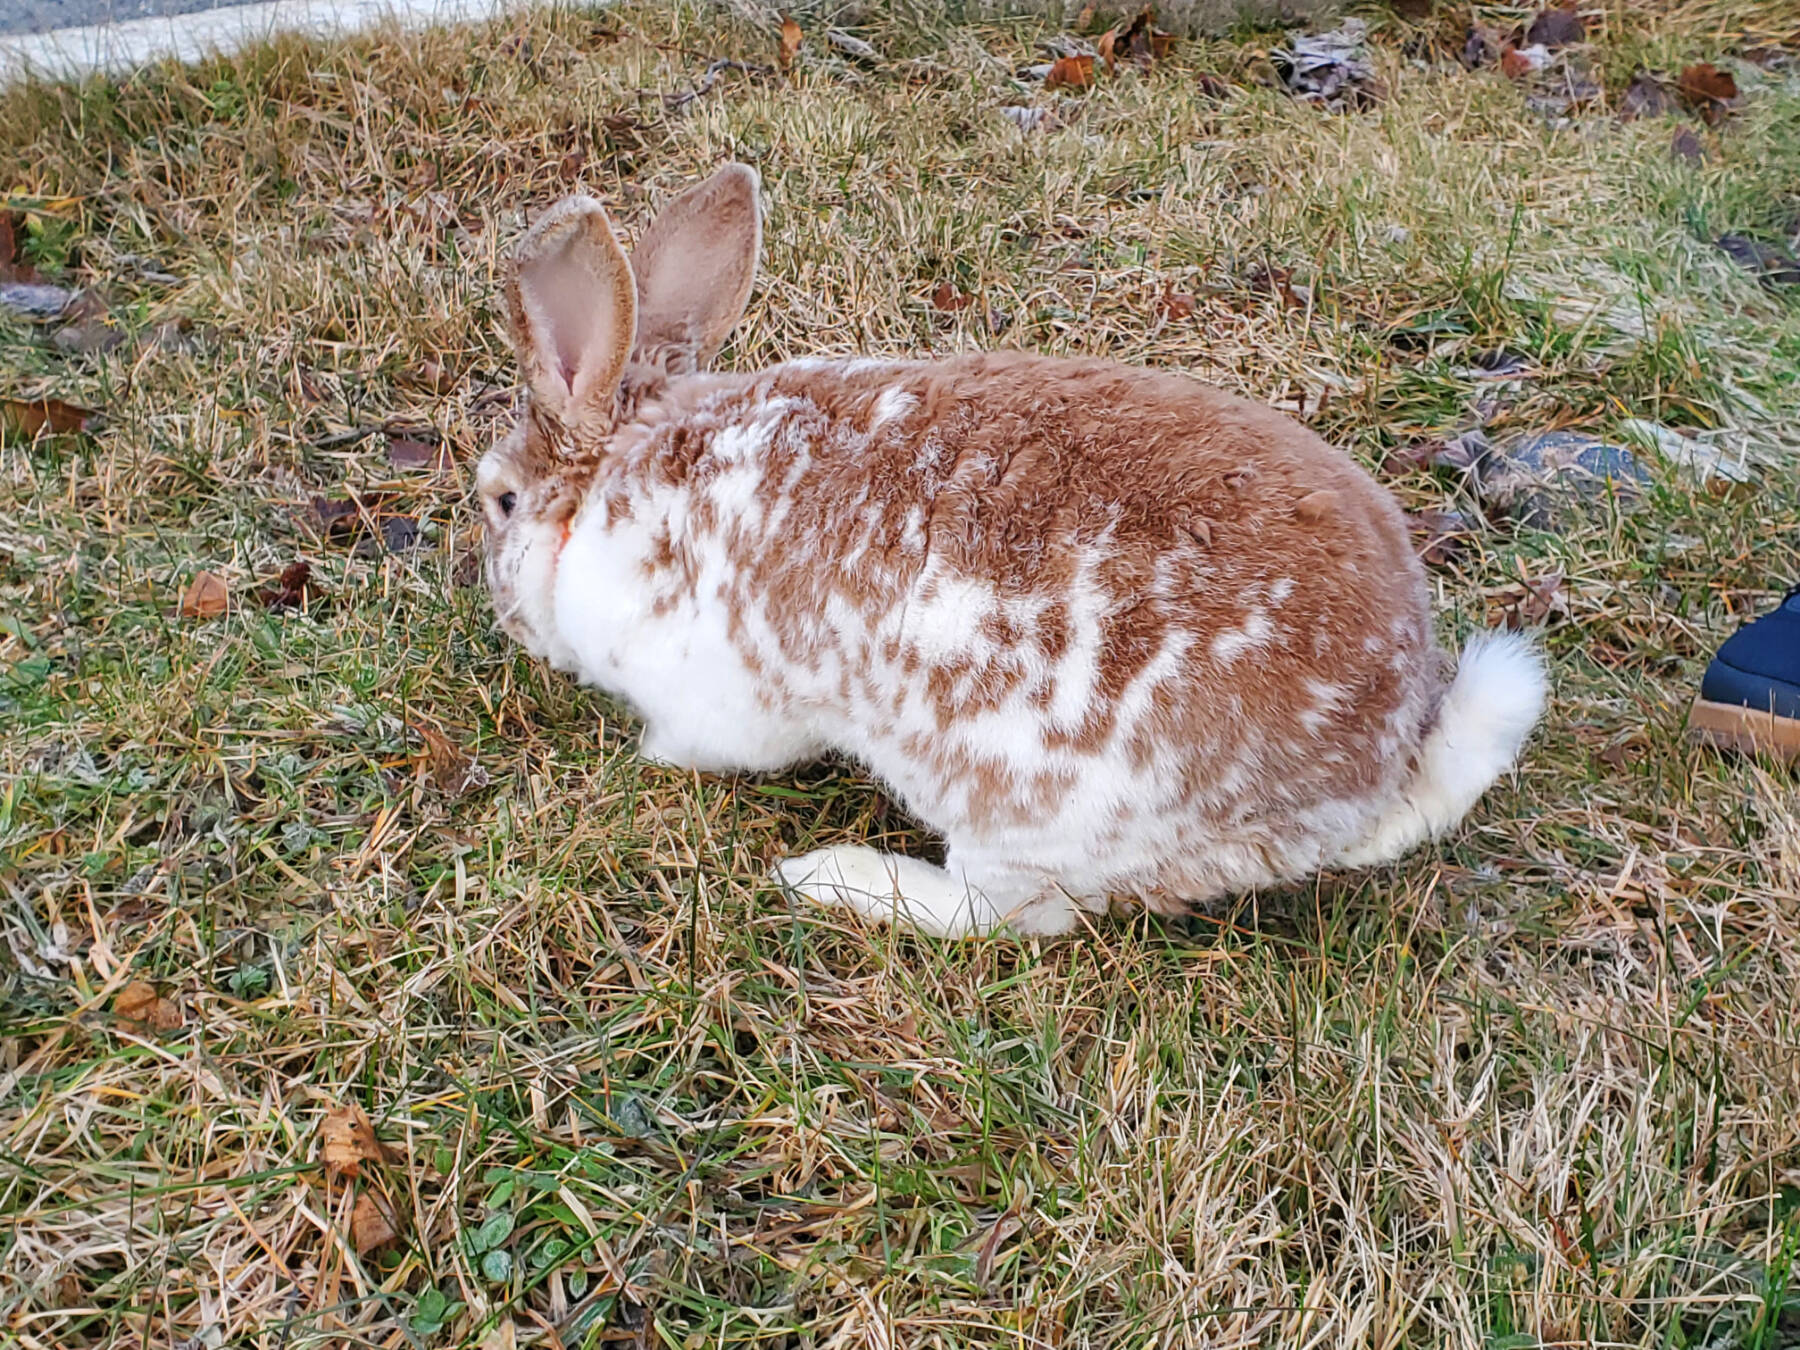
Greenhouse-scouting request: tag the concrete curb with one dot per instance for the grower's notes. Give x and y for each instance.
(113, 48)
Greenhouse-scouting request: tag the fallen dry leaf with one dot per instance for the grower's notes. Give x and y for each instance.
(1174, 304)
(1708, 90)
(347, 1141)
(139, 1002)
(206, 597)
(1645, 96)
(1138, 42)
(948, 299)
(33, 417)
(1514, 64)
(405, 453)
(90, 337)
(13, 266)
(429, 374)
(790, 40)
(1070, 72)
(1438, 535)
(1553, 28)
(1029, 119)
(1535, 602)
(449, 767)
(1275, 281)
(293, 589)
(399, 533)
(373, 1223)
(335, 514)
(1211, 86)
(851, 45)
(1686, 145)
(1005, 1228)
(1770, 265)
(1482, 46)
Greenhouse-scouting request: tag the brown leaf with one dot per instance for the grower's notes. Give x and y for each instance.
(373, 1223)
(791, 38)
(91, 337)
(206, 597)
(1139, 42)
(139, 1002)
(33, 417)
(13, 266)
(430, 375)
(1686, 145)
(1481, 46)
(1275, 281)
(947, 298)
(1211, 85)
(1005, 1227)
(1553, 28)
(450, 768)
(336, 514)
(347, 1141)
(1708, 90)
(1174, 304)
(1768, 264)
(1536, 602)
(293, 589)
(1514, 65)
(405, 453)
(399, 533)
(1070, 72)
(1438, 535)
(1645, 96)
(1106, 44)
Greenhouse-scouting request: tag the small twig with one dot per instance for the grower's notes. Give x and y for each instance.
(676, 102)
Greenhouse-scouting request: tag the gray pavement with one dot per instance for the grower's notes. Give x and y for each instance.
(42, 16)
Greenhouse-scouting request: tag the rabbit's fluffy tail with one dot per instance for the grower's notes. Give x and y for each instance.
(1490, 708)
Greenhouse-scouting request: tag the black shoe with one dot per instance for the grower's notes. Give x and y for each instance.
(1750, 698)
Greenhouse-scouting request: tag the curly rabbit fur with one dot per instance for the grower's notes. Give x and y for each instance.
(1113, 633)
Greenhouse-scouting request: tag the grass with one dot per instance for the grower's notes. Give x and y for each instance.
(1536, 1086)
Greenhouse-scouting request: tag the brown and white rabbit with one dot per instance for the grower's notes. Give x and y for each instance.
(1112, 632)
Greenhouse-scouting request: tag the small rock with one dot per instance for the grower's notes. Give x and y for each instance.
(1544, 478)
(35, 301)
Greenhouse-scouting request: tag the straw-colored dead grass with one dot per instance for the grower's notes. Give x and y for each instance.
(1540, 1085)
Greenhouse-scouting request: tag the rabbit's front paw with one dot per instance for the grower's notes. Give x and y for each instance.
(889, 887)
(659, 748)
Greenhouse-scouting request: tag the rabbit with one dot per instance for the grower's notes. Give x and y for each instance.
(1114, 634)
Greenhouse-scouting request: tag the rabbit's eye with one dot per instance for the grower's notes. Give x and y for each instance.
(508, 500)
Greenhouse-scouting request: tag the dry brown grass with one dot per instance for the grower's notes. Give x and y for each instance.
(1538, 1086)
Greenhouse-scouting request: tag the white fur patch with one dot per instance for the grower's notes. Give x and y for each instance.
(1234, 642)
(894, 402)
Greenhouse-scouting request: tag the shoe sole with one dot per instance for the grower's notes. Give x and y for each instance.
(1730, 727)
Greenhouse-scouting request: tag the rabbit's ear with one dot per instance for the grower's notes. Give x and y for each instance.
(573, 307)
(694, 267)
